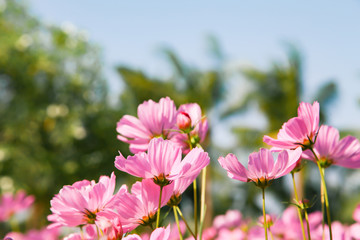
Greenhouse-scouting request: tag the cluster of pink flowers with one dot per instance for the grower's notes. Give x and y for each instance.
(233, 226)
(299, 138)
(168, 157)
(186, 127)
(11, 204)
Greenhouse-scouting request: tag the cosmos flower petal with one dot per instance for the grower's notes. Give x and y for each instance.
(234, 168)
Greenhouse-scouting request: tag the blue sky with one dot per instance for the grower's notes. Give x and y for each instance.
(252, 32)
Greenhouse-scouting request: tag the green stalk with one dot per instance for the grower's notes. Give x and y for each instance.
(82, 233)
(323, 184)
(299, 210)
(195, 207)
(271, 235)
(187, 225)
(202, 201)
(177, 222)
(263, 201)
(326, 198)
(307, 223)
(195, 191)
(14, 225)
(158, 211)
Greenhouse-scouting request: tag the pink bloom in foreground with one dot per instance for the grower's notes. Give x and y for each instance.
(108, 225)
(193, 127)
(80, 203)
(154, 120)
(139, 207)
(261, 166)
(158, 234)
(298, 131)
(11, 204)
(163, 163)
(331, 150)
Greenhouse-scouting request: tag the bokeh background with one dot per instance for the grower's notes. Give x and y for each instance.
(69, 70)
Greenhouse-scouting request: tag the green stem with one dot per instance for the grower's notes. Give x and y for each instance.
(271, 235)
(97, 231)
(158, 211)
(177, 222)
(81, 233)
(327, 206)
(202, 201)
(14, 224)
(187, 225)
(307, 224)
(263, 201)
(195, 207)
(323, 184)
(299, 210)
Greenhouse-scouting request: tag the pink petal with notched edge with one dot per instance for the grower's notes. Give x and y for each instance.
(137, 165)
(310, 114)
(161, 233)
(192, 164)
(132, 131)
(131, 127)
(291, 135)
(297, 130)
(158, 116)
(286, 162)
(328, 138)
(347, 153)
(163, 156)
(260, 163)
(234, 168)
(181, 184)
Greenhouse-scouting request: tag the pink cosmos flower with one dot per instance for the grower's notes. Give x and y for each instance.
(190, 123)
(288, 226)
(163, 163)
(80, 203)
(43, 234)
(232, 219)
(11, 204)
(236, 234)
(298, 131)
(354, 231)
(331, 150)
(261, 166)
(107, 225)
(158, 234)
(154, 120)
(339, 232)
(356, 213)
(140, 206)
(180, 185)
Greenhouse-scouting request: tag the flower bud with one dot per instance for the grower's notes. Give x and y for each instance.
(269, 220)
(183, 121)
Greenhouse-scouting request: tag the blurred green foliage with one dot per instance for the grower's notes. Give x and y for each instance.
(56, 124)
